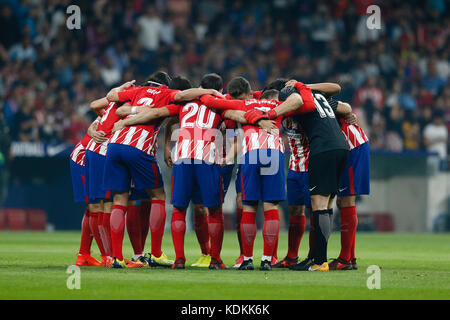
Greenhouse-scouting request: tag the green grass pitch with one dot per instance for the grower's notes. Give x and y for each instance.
(413, 266)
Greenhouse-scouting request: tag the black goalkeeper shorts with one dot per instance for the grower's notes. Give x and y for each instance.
(325, 171)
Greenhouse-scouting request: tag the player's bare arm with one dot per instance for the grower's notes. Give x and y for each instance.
(99, 105)
(97, 136)
(231, 152)
(194, 93)
(234, 111)
(239, 116)
(351, 118)
(267, 125)
(127, 110)
(142, 117)
(328, 88)
(292, 103)
(170, 127)
(236, 115)
(343, 108)
(93, 127)
(113, 94)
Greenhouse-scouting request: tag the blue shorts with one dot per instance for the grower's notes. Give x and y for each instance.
(125, 163)
(136, 194)
(78, 182)
(226, 172)
(192, 181)
(197, 196)
(238, 182)
(298, 189)
(262, 176)
(356, 177)
(95, 169)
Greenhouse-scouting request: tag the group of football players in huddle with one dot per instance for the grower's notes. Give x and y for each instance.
(209, 135)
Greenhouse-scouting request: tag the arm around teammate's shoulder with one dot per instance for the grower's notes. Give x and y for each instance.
(291, 104)
(93, 127)
(343, 108)
(328, 88)
(194, 93)
(99, 105)
(143, 117)
(113, 94)
(235, 115)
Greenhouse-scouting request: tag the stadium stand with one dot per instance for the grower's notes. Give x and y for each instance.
(397, 78)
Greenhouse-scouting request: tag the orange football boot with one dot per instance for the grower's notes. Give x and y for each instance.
(135, 264)
(86, 260)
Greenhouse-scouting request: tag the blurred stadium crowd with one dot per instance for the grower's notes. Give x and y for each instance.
(396, 78)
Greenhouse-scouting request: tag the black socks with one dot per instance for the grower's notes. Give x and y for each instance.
(322, 230)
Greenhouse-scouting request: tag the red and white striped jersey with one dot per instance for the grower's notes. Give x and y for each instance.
(298, 145)
(198, 134)
(78, 153)
(254, 138)
(99, 148)
(354, 134)
(136, 136)
(106, 125)
(143, 136)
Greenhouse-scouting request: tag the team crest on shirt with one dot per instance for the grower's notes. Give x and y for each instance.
(292, 128)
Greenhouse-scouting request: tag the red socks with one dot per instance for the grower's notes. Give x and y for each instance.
(248, 232)
(296, 230)
(86, 235)
(117, 223)
(107, 233)
(133, 220)
(275, 250)
(238, 227)
(145, 220)
(178, 229)
(271, 229)
(157, 224)
(101, 232)
(201, 230)
(93, 223)
(215, 229)
(349, 222)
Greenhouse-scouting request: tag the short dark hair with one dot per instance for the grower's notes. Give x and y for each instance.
(158, 77)
(212, 81)
(277, 84)
(238, 86)
(269, 94)
(286, 92)
(180, 83)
